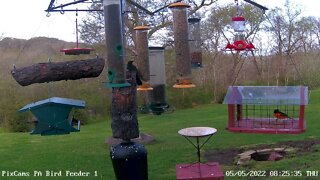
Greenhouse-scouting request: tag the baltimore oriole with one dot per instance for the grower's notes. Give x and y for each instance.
(280, 115)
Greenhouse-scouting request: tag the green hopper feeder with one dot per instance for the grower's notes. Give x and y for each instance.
(53, 114)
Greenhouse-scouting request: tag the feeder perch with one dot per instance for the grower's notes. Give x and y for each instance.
(255, 109)
(239, 44)
(142, 50)
(52, 115)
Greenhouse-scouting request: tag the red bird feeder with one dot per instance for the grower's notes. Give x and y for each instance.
(267, 109)
(239, 43)
(76, 50)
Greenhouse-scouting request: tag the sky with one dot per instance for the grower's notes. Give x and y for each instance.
(25, 19)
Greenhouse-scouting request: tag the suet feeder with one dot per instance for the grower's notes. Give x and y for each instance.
(157, 97)
(240, 43)
(181, 44)
(267, 109)
(195, 42)
(143, 57)
(114, 44)
(52, 115)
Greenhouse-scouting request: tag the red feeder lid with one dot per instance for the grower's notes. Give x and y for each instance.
(238, 18)
(76, 51)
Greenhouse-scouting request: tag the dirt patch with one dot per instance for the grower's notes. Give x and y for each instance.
(227, 156)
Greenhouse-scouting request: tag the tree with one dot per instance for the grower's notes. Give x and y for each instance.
(92, 28)
(284, 28)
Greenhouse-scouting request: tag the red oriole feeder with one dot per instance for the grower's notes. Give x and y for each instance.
(239, 44)
(76, 50)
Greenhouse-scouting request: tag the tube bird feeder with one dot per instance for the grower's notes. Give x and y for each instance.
(195, 42)
(157, 97)
(114, 44)
(182, 49)
(142, 50)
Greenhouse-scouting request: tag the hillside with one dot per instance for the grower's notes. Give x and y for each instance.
(21, 53)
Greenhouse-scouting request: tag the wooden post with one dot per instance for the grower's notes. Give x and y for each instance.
(124, 110)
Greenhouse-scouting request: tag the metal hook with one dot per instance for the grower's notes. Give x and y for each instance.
(48, 14)
(61, 11)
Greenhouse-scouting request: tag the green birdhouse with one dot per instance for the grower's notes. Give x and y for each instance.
(53, 115)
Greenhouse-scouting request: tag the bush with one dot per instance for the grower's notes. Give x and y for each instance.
(17, 123)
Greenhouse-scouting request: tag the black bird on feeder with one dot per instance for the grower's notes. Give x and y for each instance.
(132, 68)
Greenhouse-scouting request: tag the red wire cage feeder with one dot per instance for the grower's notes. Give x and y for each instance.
(267, 109)
(239, 43)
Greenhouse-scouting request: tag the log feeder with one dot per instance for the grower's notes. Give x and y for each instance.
(47, 72)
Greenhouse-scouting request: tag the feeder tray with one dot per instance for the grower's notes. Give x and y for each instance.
(159, 108)
(184, 84)
(76, 51)
(52, 115)
(145, 87)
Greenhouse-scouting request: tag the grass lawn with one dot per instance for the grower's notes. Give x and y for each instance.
(86, 151)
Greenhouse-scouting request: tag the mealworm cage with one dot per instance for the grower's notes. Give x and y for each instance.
(157, 96)
(251, 109)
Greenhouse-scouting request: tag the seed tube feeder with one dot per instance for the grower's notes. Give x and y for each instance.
(157, 97)
(240, 42)
(143, 57)
(267, 109)
(195, 42)
(182, 49)
(114, 43)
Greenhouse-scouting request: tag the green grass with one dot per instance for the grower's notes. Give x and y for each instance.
(86, 151)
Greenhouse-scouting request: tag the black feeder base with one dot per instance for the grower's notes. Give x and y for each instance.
(129, 160)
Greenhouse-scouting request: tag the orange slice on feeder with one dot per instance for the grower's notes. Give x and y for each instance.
(183, 84)
(144, 87)
(76, 51)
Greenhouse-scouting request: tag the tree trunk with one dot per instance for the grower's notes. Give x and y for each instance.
(47, 72)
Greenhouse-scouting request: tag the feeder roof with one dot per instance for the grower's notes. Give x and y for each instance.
(179, 4)
(267, 95)
(54, 100)
(141, 28)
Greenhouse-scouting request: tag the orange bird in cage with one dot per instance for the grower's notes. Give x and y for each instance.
(280, 115)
